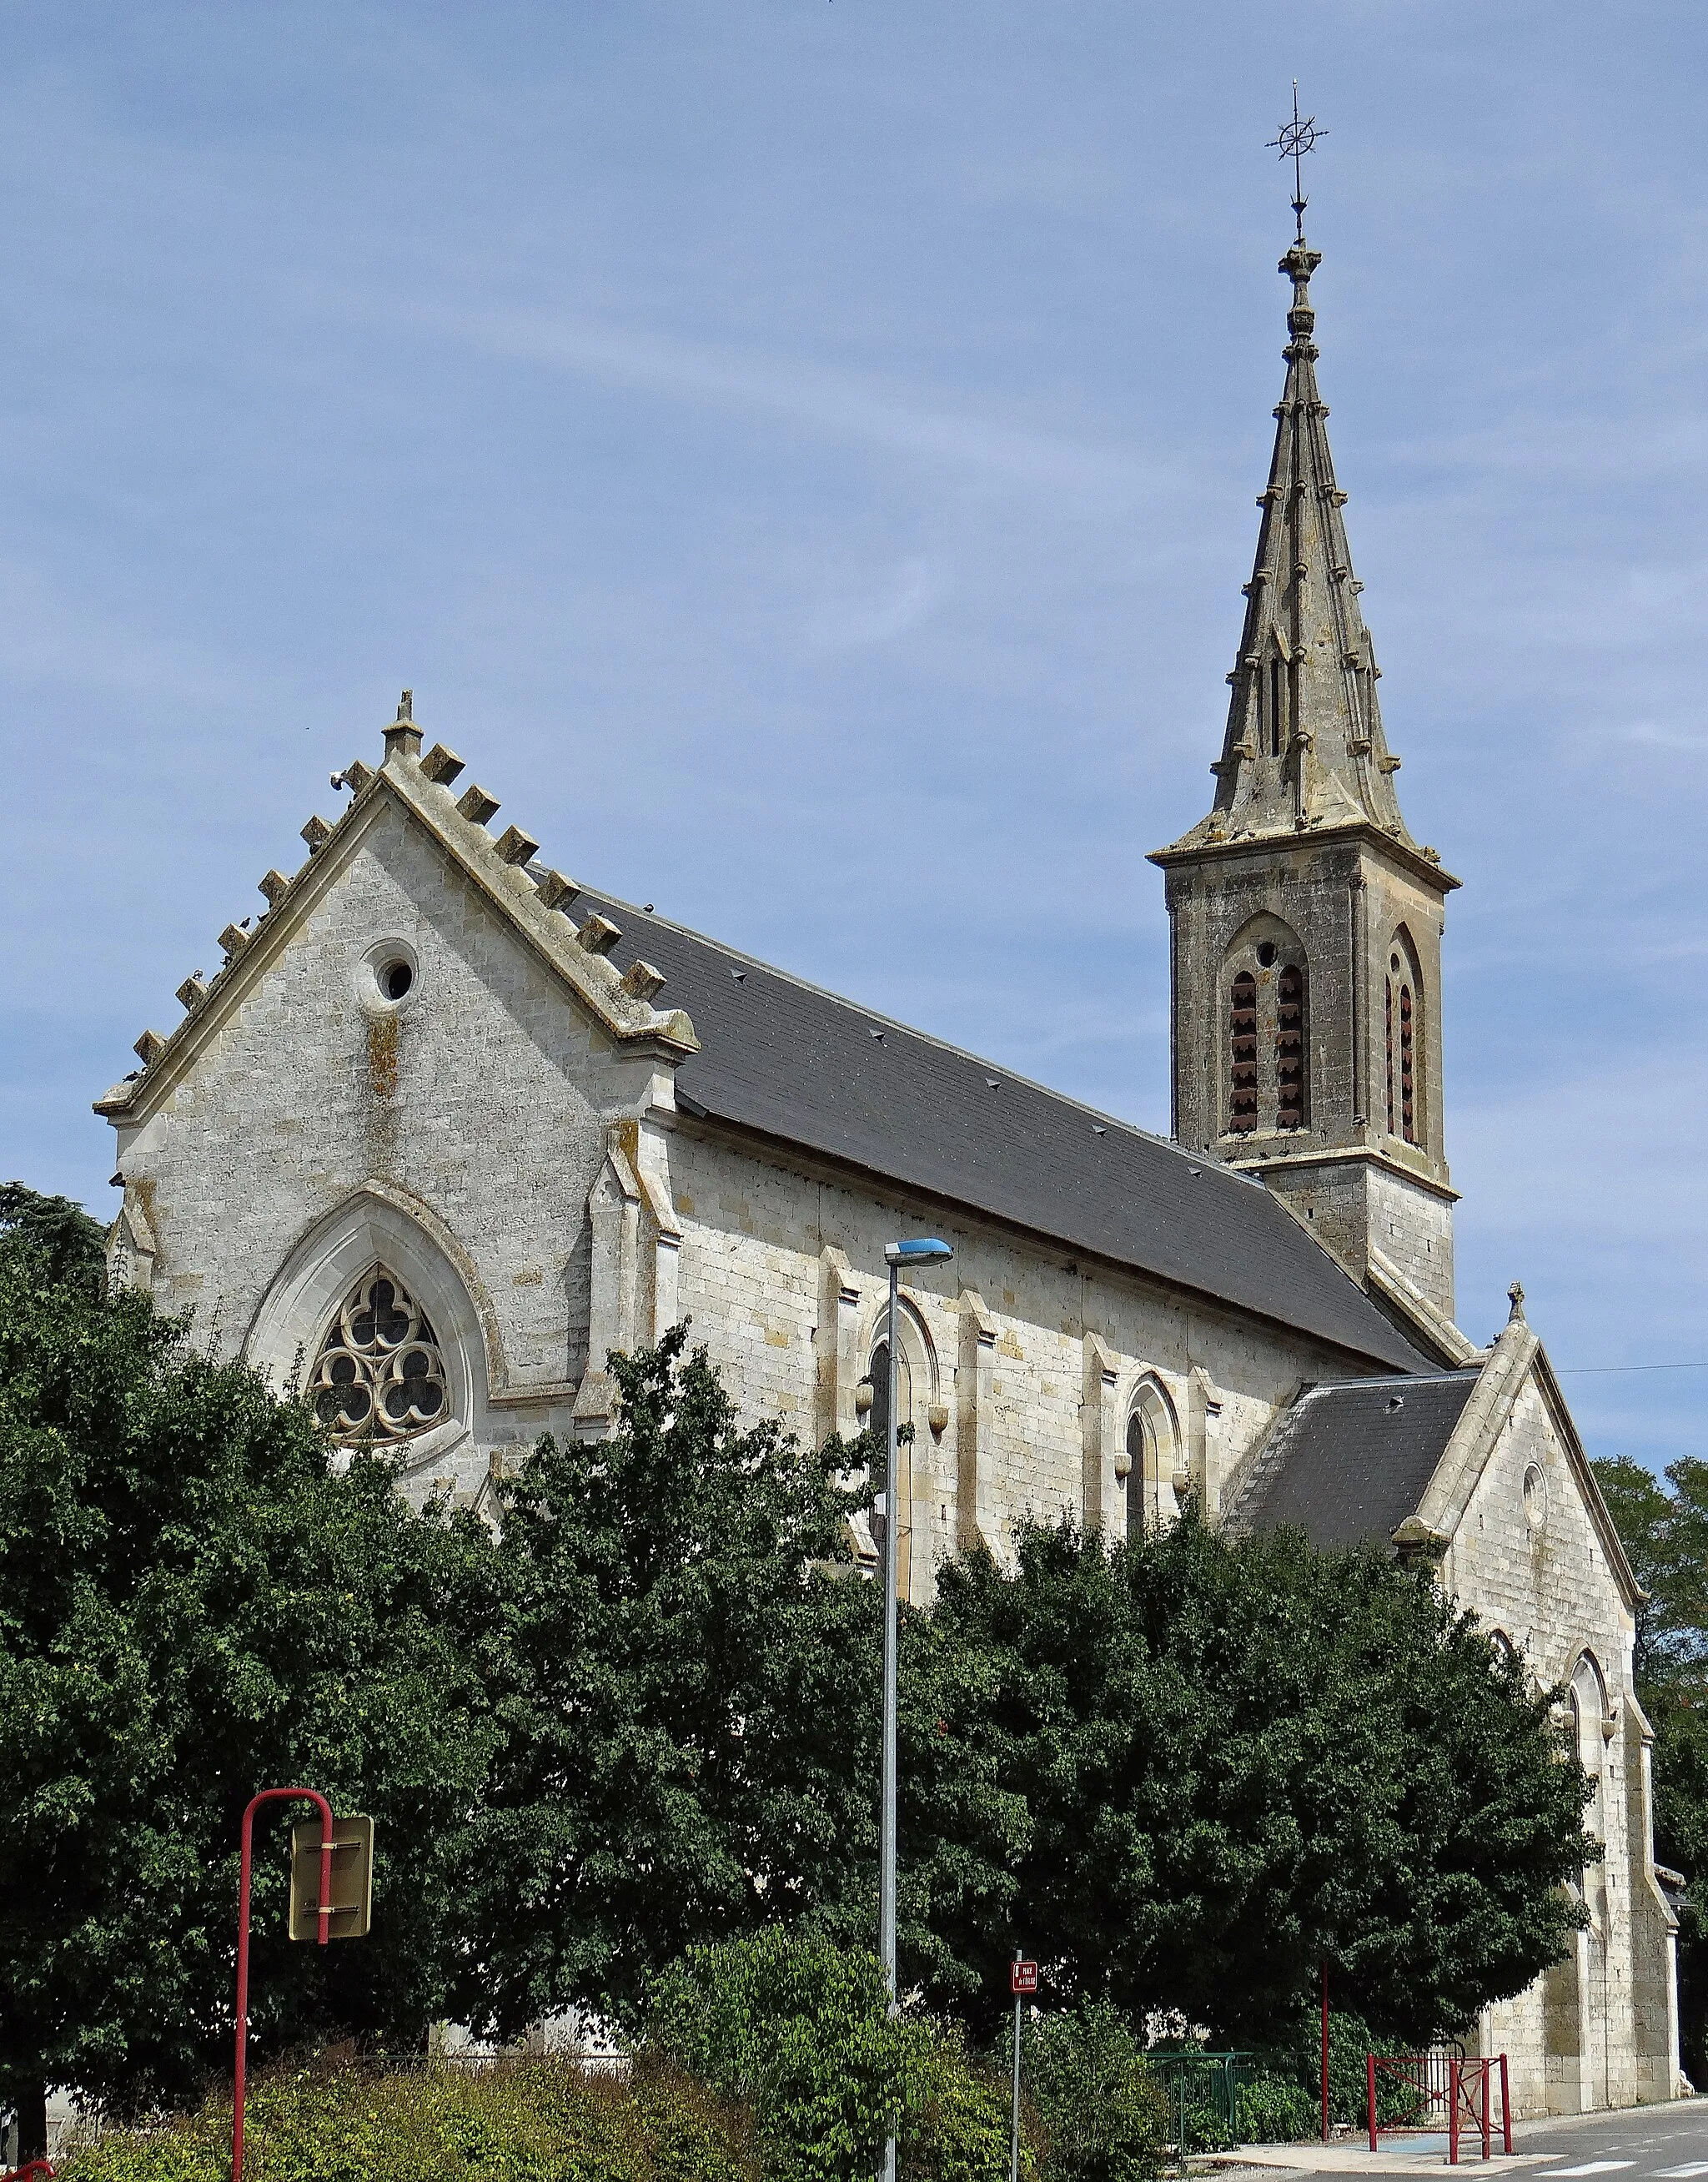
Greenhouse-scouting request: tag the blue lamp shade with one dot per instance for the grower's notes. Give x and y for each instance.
(923, 1250)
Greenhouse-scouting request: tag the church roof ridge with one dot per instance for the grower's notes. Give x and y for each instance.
(799, 1066)
(1304, 747)
(1014, 1076)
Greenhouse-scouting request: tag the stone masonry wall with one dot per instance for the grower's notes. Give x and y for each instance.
(755, 1232)
(477, 1098)
(1527, 1560)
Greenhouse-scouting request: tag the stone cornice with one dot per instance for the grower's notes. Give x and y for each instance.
(1262, 848)
(1342, 1155)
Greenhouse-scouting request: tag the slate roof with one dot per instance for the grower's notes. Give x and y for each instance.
(1348, 1463)
(809, 1069)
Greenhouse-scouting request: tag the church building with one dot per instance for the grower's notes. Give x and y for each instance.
(447, 1128)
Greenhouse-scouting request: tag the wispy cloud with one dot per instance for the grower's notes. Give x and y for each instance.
(797, 390)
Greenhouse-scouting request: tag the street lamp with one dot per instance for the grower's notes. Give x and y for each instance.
(925, 1250)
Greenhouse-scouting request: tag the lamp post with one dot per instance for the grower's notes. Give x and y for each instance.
(925, 1250)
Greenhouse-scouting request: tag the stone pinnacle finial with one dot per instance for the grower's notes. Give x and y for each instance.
(1299, 263)
(1516, 1297)
(403, 737)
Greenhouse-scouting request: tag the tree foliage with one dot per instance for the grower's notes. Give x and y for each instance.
(801, 2030)
(681, 1672)
(1241, 1759)
(193, 1604)
(644, 1717)
(72, 1247)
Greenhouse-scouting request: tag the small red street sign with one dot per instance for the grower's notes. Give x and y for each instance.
(1023, 1977)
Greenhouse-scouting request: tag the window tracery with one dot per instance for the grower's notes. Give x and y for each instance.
(380, 1374)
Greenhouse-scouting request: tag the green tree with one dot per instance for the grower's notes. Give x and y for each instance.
(800, 2030)
(688, 1673)
(1664, 1527)
(1240, 1759)
(682, 1674)
(72, 1247)
(195, 1603)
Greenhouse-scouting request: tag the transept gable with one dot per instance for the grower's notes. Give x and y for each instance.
(537, 903)
(1399, 1461)
(1517, 1362)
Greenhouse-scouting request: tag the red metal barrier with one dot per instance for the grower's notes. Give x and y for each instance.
(1433, 2089)
(31, 2167)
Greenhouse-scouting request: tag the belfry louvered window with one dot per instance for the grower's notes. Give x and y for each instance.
(1289, 1047)
(1242, 1055)
(1401, 1035)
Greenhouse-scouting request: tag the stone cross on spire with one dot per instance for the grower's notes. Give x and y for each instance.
(1304, 746)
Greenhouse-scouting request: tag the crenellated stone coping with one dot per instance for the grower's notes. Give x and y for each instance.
(625, 998)
(539, 898)
(515, 847)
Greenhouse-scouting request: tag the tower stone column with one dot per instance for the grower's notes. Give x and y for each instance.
(1306, 921)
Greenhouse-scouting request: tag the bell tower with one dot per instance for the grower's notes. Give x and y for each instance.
(1306, 922)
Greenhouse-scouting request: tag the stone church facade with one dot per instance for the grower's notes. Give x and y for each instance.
(447, 1128)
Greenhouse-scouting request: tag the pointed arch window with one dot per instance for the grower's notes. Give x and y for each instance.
(1402, 1046)
(380, 1375)
(1242, 1054)
(1138, 1470)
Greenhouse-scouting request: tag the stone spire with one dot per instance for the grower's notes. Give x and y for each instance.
(1306, 922)
(1304, 745)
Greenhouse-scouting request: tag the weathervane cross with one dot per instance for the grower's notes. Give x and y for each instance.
(1297, 138)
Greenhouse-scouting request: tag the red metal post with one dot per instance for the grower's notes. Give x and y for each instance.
(1487, 2069)
(1452, 2111)
(1506, 2109)
(267, 1796)
(1325, 2053)
(1370, 2094)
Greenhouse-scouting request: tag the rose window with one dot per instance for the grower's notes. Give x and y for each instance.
(380, 1374)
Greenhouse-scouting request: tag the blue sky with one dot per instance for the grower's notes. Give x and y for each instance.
(803, 454)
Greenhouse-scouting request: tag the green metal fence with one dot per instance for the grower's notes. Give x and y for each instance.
(1203, 2095)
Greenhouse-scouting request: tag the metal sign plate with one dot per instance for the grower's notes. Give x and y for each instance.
(352, 1879)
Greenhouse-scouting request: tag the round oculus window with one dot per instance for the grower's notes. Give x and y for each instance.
(1266, 952)
(389, 975)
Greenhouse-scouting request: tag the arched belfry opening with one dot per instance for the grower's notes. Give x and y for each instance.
(1265, 980)
(1403, 1029)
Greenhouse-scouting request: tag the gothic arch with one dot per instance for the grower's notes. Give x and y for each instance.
(917, 1398)
(1406, 1031)
(377, 1226)
(1264, 998)
(1150, 1457)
